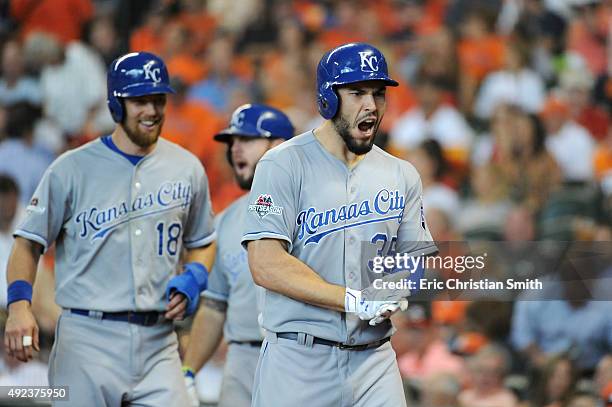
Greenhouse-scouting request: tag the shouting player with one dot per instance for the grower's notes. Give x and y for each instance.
(229, 306)
(317, 202)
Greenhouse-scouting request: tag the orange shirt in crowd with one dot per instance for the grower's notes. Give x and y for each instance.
(602, 160)
(62, 18)
(186, 67)
(146, 39)
(479, 57)
(201, 27)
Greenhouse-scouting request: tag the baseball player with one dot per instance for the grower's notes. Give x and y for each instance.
(120, 209)
(229, 306)
(318, 203)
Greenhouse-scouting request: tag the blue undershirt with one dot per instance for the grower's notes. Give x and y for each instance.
(108, 141)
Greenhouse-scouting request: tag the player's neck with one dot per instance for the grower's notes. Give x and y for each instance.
(332, 142)
(123, 143)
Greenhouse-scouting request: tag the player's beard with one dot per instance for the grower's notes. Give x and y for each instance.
(140, 138)
(358, 147)
(245, 183)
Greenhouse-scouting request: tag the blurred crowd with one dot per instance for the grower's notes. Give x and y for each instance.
(503, 107)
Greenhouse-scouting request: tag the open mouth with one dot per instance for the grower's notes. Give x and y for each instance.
(367, 126)
(240, 165)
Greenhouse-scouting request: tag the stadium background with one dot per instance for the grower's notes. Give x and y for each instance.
(503, 107)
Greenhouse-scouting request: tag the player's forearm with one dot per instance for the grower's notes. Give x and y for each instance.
(205, 336)
(276, 270)
(22, 264)
(204, 255)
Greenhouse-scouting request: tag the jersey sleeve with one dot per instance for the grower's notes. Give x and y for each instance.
(271, 205)
(200, 230)
(48, 210)
(413, 237)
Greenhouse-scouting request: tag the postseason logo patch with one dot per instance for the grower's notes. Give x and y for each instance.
(265, 206)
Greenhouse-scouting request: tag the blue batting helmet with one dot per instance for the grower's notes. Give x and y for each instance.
(348, 63)
(254, 120)
(135, 74)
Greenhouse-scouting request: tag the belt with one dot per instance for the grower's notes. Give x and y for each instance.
(148, 318)
(254, 344)
(294, 336)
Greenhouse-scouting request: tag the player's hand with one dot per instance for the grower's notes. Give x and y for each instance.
(192, 392)
(366, 310)
(386, 311)
(176, 307)
(19, 325)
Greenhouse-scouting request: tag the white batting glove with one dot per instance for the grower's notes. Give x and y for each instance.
(192, 393)
(384, 312)
(367, 310)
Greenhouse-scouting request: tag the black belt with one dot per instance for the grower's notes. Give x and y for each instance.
(294, 336)
(254, 344)
(148, 318)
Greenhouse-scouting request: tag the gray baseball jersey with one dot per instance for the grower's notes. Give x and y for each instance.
(230, 279)
(329, 214)
(119, 228)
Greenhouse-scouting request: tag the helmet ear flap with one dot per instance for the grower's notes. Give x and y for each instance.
(115, 105)
(327, 103)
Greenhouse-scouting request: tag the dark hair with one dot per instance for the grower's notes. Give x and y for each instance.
(539, 134)
(8, 185)
(434, 151)
(21, 118)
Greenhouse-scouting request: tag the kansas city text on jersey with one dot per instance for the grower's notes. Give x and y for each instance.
(170, 195)
(386, 204)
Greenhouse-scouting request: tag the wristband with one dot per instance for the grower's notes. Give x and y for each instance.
(351, 300)
(19, 290)
(188, 371)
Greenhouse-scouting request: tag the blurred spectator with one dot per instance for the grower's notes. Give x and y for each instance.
(284, 72)
(148, 36)
(435, 56)
(603, 377)
(483, 216)
(582, 400)
(588, 33)
(63, 19)
(480, 52)
(429, 161)
(234, 16)
(73, 82)
(16, 373)
(519, 150)
(517, 84)
(200, 24)
(11, 211)
(440, 225)
(488, 369)
(440, 390)
(15, 86)
(346, 16)
(555, 382)
(433, 119)
(177, 51)
(569, 143)
(19, 156)
(543, 329)
(221, 83)
(576, 87)
(101, 36)
(426, 354)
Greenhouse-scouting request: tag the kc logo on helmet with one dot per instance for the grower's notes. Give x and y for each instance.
(151, 73)
(369, 62)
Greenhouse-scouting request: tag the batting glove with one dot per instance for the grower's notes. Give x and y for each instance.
(373, 311)
(383, 313)
(189, 376)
